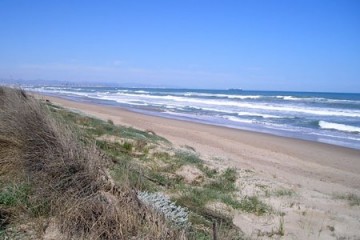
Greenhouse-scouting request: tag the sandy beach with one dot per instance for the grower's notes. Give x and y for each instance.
(315, 172)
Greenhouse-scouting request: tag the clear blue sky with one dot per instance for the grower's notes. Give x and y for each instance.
(266, 45)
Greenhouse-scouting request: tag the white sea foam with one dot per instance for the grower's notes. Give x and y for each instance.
(286, 108)
(339, 127)
(235, 119)
(318, 99)
(289, 98)
(83, 94)
(215, 110)
(211, 103)
(258, 115)
(207, 104)
(194, 94)
(123, 101)
(278, 107)
(141, 91)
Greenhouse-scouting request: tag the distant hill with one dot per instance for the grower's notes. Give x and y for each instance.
(42, 82)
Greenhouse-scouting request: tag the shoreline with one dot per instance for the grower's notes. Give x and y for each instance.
(299, 148)
(305, 134)
(314, 172)
(317, 118)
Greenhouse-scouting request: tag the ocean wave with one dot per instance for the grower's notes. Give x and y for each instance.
(123, 101)
(244, 97)
(258, 123)
(193, 94)
(212, 103)
(258, 115)
(235, 119)
(318, 99)
(141, 91)
(293, 109)
(69, 93)
(341, 136)
(269, 97)
(339, 127)
(214, 110)
(289, 98)
(278, 108)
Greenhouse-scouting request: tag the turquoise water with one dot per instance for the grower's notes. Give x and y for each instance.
(332, 118)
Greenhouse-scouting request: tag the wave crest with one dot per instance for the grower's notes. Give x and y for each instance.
(339, 127)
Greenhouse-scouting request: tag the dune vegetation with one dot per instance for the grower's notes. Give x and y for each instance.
(65, 175)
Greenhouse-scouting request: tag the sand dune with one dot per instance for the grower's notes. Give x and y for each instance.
(313, 174)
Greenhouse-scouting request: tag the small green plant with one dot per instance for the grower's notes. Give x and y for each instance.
(201, 235)
(113, 148)
(230, 175)
(197, 198)
(187, 157)
(353, 199)
(284, 192)
(281, 229)
(109, 121)
(140, 145)
(254, 205)
(128, 146)
(14, 195)
(159, 178)
(161, 155)
(210, 173)
(225, 182)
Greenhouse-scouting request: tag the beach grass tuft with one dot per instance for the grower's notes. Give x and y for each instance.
(187, 157)
(353, 199)
(13, 195)
(253, 204)
(225, 182)
(284, 193)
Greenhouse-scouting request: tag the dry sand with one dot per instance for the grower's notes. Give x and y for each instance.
(299, 179)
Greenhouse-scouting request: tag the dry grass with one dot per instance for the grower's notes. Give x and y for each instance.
(67, 177)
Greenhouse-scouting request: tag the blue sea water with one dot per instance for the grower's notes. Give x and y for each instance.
(332, 118)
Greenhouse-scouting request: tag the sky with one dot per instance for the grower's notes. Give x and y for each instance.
(297, 45)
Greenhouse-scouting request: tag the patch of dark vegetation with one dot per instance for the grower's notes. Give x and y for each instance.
(353, 199)
(4, 219)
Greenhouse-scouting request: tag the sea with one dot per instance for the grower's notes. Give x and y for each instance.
(332, 118)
